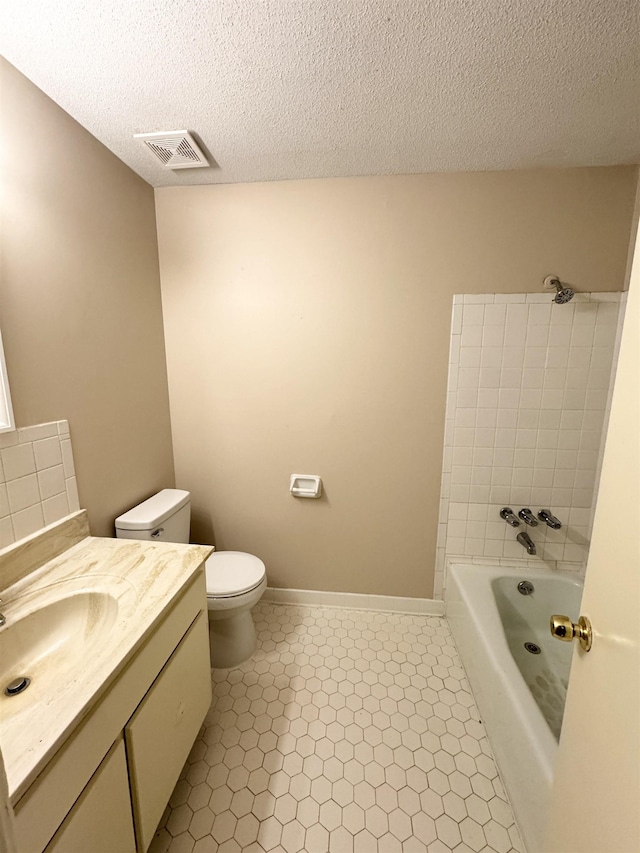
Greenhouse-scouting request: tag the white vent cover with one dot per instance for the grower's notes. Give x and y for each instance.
(176, 149)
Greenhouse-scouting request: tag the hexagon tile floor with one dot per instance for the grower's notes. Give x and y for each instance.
(348, 730)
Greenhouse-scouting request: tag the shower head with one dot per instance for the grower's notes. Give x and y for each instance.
(563, 294)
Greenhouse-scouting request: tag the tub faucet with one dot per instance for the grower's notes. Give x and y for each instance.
(525, 540)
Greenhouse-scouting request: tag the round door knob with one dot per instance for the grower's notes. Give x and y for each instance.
(562, 628)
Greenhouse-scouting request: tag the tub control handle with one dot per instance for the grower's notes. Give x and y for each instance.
(549, 519)
(562, 628)
(528, 517)
(509, 516)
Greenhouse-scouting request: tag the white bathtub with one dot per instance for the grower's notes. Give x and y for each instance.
(491, 621)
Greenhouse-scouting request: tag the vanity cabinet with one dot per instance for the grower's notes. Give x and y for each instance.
(106, 788)
(101, 820)
(170, 714)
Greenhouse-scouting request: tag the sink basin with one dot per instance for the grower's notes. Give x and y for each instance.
(53, 643)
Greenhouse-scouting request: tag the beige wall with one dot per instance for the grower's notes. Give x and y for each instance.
(80, 301)
(307, 331)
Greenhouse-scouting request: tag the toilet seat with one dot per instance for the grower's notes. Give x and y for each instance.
(232, 573)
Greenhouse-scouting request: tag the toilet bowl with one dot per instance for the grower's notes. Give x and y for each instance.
(235, 580)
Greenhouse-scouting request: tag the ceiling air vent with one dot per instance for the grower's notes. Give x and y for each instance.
(175, 149)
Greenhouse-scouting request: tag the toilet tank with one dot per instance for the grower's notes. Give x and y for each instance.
(165, 517)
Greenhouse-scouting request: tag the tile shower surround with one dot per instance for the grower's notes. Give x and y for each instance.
(347, 732)
(37, 479)
(529, 389)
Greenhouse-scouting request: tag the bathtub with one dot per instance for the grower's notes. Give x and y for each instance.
(520, 693)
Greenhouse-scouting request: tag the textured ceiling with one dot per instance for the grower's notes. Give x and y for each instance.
(318, 88)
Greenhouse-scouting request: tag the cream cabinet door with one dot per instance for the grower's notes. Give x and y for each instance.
(101, 820)
(163, 729)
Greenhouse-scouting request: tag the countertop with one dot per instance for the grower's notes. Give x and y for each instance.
(143, 577)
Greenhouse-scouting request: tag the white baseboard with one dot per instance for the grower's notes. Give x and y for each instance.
(355, 601)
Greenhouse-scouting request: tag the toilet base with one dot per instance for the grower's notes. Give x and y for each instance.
(232, 640)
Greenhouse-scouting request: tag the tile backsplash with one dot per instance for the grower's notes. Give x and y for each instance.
(528, 396)
(37, 479)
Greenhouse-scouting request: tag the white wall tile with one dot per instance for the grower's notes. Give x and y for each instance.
(18, 461)
(559, 336)
(540, 315)
(513, 356)
(574, 398)
(35, 433)
(495, 315)
(468, 377)
(567, 459)
(557, 356)
(471, 336)
(456, 318)
(487, 398)
(478, 298)
(483, 455)
(531, 400)
(467, 397)
(538, 297)
(465, 417)
(606, 296)
(509, 297)
(596, 399)
(509, 398)
(578, 378)
(47, 453)
(552, 398)
(562, 315)
(51, 482)
(67, 458)
(469, 356)
(72, 494)
(6, 532)
(524, 457)
(506, 418)
(473, 315)
(593, 419)
(602, 356)
(37, 479)
(491, 356)
(489, 377)
(27, 521)
(23, 492)
(5, 509)
(528, 418)
(55, 508)
(511, 377)
(535, 355)
(585, 314)
(582, 336)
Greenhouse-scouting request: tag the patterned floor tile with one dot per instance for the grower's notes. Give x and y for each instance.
(348, 730)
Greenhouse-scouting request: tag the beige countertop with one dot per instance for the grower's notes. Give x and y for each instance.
(126, 585)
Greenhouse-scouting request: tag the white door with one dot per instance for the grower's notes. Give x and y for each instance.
(596, 794)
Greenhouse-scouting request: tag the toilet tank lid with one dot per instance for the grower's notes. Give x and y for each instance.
(154, 511)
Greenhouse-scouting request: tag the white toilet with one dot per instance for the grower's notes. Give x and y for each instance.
(235, 580)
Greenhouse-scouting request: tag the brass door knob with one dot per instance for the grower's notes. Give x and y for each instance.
(562, 628)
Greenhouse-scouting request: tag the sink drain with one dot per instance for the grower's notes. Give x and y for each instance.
(17, 685)
(532, 648)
